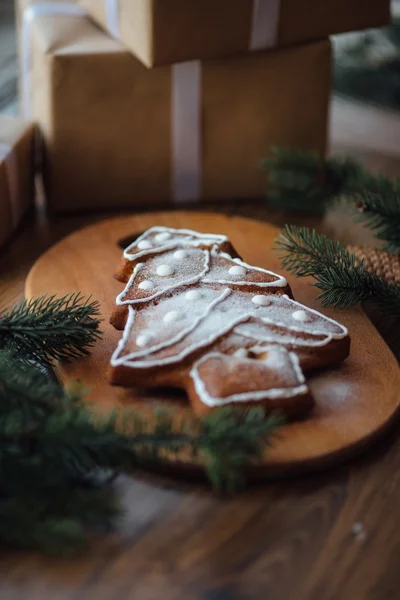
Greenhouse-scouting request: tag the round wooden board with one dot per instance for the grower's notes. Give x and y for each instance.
(355, 401)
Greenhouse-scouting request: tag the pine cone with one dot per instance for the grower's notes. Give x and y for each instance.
(384, 264)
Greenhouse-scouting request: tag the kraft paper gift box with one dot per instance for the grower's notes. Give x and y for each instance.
(161, 32)
(119, 135)
(16, 173)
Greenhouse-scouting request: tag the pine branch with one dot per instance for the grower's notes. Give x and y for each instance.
(305, 252)
(380, 211)
(343, 282)
(49, 328)
(305, 183)
(51, 445)
(231, 440)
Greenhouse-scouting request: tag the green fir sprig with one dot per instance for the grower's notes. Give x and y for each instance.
(48, 329)
(380, 211)
(49, 447)
(342, 279)
(54, 448)
(305, 183)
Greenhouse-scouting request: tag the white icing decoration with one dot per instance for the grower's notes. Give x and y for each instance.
(163, 237)
(261, 300)
(216, 324)
(214, 321)
(191, 280)
(127, 359)
(146, 285)
(144, 339)
(165, 271)
(269, 394)
(278, 282)
(237, 271)
(301, 315)
(193, 295)
(172, 316)
(191, 239)
(241, 353)
(283, 306)
(144, 245)
(216, 312)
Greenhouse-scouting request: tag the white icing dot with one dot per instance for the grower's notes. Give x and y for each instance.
(180, 254)
(358, 531)
(144, 245)
(163, 237)
(301, 315)
(165, 270)
(261, 300)
(144, 339)
(241, 353)
(193, 295)
(172, 316)
(237, 271)
(146, 285)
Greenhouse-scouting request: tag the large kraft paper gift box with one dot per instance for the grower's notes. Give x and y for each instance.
(16, 173)
(117, 134)
(161, 32)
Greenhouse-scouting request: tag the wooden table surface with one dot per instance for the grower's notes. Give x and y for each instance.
(280, 540)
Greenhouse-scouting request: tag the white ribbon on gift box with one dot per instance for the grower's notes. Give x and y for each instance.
(265, 24)
(112, 18)
(186, 119)
(9, 158)
(186, 97)
(186, 131)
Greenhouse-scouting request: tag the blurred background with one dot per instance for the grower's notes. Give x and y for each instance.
(8, 59)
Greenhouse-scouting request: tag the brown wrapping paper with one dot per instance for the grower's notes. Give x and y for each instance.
(18, 135)
(106, 119)
(161, 32)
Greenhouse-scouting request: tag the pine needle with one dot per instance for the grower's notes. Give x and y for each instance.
(51, 329)
(380, 211)
(52, 446)
(343, 282)
(302, 182)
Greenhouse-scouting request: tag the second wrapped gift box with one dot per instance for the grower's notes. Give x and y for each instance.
(161, 32)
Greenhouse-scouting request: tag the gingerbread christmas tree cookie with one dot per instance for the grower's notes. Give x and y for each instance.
(195, 316)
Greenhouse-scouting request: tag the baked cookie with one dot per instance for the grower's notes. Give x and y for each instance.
(195, 316)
